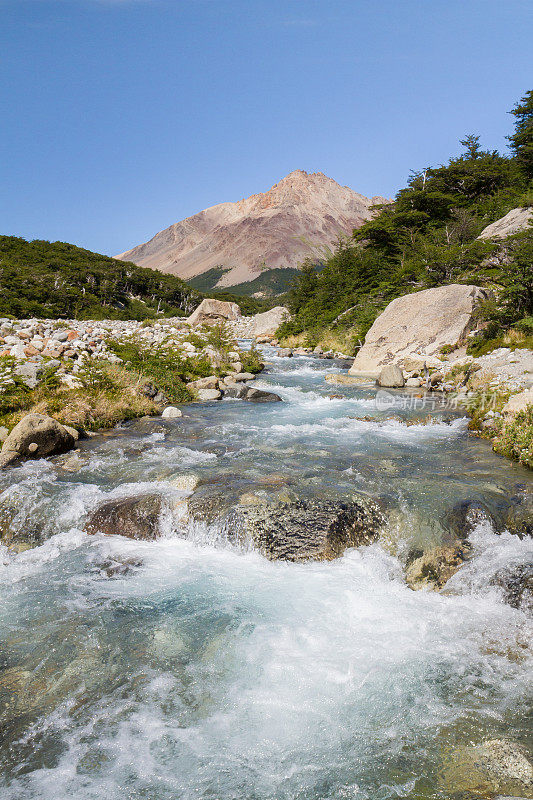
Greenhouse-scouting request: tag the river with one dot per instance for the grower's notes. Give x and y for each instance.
(191, 668)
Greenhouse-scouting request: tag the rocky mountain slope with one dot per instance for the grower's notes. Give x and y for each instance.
(300, 216)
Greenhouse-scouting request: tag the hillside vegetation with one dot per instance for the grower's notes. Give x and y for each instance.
(60, 280)
(428, 237)
(268, 284)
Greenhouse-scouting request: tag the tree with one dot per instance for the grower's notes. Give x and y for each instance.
(522, 139)
(471, 146)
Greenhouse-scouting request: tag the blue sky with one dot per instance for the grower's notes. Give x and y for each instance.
(120, 117)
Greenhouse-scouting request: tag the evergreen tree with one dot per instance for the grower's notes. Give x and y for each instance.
(522, 138)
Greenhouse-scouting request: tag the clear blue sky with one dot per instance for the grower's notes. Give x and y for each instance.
(120, 117)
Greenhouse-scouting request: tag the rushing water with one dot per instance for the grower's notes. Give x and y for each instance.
(187, 668)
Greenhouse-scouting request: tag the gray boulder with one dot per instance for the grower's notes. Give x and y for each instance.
(211, 382)
(515, 221)
(35, 436)
(308, 530)
(259, 396)
(212, 312)
(29, 373)
(235, 391)
(134, 517)
(418, 324)
(391, 376)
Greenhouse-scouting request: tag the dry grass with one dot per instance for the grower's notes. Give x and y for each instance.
(103, 404)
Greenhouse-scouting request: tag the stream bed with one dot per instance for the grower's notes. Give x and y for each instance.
(189, 667)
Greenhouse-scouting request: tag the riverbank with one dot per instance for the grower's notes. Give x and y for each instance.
(93, 375)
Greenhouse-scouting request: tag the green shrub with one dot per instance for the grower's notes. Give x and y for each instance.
(515, 439)
(251, 361)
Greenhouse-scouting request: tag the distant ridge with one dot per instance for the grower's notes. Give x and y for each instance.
(300, 216)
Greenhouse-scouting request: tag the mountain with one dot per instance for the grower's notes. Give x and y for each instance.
(302, 215)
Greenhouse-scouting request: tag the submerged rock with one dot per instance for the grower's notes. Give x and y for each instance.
(36, 436)
(308, 530)
(517, 585)
(432, 569)
(185, 483)
(494, 766)
(135, 517)
(464, 516)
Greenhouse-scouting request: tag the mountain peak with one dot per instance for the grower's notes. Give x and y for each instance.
(300, 216)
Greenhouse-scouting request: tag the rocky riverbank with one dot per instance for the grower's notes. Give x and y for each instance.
(94, 374)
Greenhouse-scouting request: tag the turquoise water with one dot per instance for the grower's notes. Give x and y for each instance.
(187, 668)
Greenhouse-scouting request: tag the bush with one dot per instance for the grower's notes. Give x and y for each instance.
(251, 361)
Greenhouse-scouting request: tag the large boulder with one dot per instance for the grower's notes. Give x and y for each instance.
(211, 312)
(135, 517)
(515, 221)
(267, 323)
(36, 436)
(418, 324)
(308, 530)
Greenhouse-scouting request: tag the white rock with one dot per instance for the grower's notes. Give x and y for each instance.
(518, 402)
(209, 394)
(171, 412)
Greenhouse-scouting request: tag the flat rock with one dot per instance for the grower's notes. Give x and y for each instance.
(418, 324)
